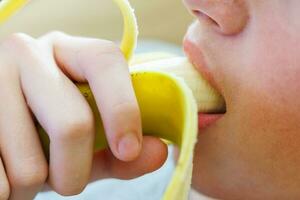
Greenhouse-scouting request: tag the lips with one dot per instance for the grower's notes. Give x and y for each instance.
(205, 120)
(196, 57)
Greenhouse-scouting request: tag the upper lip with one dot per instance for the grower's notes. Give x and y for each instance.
(197, 58)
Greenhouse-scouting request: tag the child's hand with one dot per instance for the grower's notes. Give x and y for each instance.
(35, 77)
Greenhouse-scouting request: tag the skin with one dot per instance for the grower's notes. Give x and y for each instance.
(249, 47)
(37, 78)
(251, 50)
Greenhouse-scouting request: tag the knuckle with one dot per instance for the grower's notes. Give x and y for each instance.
(132, 113)
(96, 49)
(4, 190)
(107, 46)
(99, 46)
(16, 44)
(126, 107)
(30, 176)
(16, 37)
(77, 127)
(55, 33)
(18, 41)
(25, 47)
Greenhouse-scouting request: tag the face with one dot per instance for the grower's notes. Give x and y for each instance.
(251, 51)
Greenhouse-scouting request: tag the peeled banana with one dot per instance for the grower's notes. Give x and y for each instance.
(169, 91)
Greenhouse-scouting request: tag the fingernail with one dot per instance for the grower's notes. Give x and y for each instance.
(128, 147)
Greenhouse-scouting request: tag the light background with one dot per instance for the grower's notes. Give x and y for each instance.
(161, 19)
(161, 22)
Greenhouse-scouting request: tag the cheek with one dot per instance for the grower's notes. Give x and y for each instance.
(272, 70)
(267, 103)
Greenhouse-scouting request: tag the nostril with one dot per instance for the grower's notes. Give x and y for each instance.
(204, 17)
(228, 17)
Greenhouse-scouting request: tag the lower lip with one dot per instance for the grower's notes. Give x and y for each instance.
(206, 120)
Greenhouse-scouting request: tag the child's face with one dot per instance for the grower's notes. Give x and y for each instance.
(251, 48)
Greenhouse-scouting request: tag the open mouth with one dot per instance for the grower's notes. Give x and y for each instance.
(210, 113)
(208, 118)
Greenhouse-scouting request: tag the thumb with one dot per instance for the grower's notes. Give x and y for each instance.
(153, 155)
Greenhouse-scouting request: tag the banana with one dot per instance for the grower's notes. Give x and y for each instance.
(207, 98)
(9, 7)
(169, 91)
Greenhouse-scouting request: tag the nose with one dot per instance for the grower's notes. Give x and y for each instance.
(227, 16)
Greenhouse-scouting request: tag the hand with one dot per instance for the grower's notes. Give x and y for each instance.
(37, 78)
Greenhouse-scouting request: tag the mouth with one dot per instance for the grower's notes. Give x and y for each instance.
(197, 59)
(205, 119)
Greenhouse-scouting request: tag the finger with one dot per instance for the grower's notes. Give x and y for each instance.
(4, 185)
(153, 155)
(22, 154)
(102, 64)
(63, 113)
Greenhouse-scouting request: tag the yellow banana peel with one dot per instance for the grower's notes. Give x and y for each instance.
(169, 91)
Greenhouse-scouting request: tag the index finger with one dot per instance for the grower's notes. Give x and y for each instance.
(103, 66)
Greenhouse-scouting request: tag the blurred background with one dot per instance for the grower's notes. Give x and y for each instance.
(165, 20)
(162, 25)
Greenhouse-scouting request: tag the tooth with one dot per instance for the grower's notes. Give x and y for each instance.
(169, 91)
